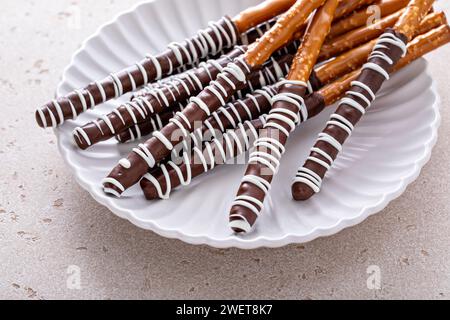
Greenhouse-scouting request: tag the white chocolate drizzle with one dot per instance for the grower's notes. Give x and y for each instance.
(268, 151)
(206, 156)
(307, 176)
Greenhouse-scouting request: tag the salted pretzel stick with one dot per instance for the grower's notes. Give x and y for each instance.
(344, 8)
(424, 44)
(361, 17)
(234, 77)
(171, 95)
(356, 57)
(390, 47)
(358, 36)
(211, 41)
(288, 110)
(348, 7)
(253, 16)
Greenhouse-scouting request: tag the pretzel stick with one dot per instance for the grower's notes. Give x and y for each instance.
(265, 11)
(172, 94)
(424, 44)
(344, 8)
(288, 110)
(356, 57)
(361, 18)
(348, 7)
(387, 52)
(234, 77)
(209, 42)
(358, 36)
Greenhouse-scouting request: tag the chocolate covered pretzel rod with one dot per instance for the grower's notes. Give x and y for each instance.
(234, 77)
(157, 122)
(170, 96)
(390, 47)
(226, 117)
(160, 182)
(288, 110)
(158, 98)
(219, 35)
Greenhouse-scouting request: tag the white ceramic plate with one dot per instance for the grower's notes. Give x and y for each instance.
(385, 154)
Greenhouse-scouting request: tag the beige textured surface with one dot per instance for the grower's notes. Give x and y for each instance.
(48, 223)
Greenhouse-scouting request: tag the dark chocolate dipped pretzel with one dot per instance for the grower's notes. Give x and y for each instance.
(288, 110)
(389, 49)
(160, 182)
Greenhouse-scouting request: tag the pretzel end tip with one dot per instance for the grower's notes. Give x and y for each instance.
(112, 192)
(239, 226)
(112, 187)
(301, 192)
(149, 190)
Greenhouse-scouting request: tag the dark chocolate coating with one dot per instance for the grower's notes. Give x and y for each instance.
(189, 51)
(314, 104)
(167, 96)
(157, 122)
(369, 77)
(196, 164)
(219, 121)
(132, 114)
(257, 32)
(233, 78)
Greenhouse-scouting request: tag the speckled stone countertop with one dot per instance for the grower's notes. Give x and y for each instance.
(57, 242)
